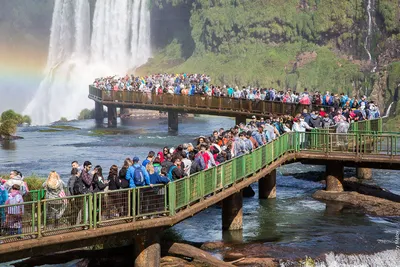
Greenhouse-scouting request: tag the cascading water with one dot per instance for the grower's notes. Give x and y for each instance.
(120, 41)
(367, 43)
(367, 38)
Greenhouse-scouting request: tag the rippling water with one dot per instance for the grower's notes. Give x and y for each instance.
(291, 226)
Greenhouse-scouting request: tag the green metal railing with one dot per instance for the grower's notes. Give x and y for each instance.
(43, 217)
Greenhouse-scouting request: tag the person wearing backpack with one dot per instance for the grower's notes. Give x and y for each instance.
(175, 172)
(137, 175)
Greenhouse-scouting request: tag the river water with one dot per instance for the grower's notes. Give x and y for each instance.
(291, 226)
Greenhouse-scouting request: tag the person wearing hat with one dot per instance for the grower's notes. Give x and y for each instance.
(137, 174)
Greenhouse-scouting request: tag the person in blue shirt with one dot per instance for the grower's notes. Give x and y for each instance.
(156, 178)
(150, 158)
(137, 174)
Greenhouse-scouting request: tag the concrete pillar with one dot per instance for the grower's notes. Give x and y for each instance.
(239, 119)
(232, 212)
(232, 236)
(147, 248)
(364, 173)
(98, 113)
(173, 121)
(112, 116)
(334, 176)
(267, 186)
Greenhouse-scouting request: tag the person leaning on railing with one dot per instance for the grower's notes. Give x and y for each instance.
(54, 187)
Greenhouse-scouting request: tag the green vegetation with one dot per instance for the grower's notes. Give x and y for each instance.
(86, 114)
(63, 119)
(59, 128)
(114, 131)
(265, 42)
(9, 120)
(34, 181)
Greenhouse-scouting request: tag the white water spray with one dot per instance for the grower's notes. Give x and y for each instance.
(120, 41)
(366, 43)
(380, 259)
(388, 110)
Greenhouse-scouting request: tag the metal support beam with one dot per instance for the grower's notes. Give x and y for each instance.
(98, 113)
(173, 121)
(112, 116)
(267, 186)
(240, 119)
(232, 212)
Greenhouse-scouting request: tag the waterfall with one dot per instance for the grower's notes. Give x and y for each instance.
(367, 38)
(388, 110)
(119, 41)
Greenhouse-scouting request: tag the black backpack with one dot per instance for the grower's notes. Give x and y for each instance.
(123, 182)
(79, 186)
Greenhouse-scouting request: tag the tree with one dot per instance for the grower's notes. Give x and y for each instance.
(86, 114)
(8, 128)
(9, 120)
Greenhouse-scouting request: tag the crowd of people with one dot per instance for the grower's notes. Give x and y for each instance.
(200, 84)
(170, 164)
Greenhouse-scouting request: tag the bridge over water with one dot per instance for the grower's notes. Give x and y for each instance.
(241, 109)
(144, 212)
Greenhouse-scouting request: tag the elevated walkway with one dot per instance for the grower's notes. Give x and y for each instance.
(90, 218)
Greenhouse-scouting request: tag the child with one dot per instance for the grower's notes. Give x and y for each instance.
(14, 212)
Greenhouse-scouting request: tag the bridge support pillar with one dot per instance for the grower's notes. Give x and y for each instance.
(147, 249)
(334, 176)
(112, 116)
(232, 212)
(173, 121)
(240, 119)
(364, 173)
(267, 186)
(98, 113)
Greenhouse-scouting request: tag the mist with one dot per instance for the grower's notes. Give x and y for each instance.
(24, 30)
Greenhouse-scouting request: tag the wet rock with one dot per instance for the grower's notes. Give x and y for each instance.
(168, 261)
(353, 184)
(259, 262)
(369, 204)
(233, 255)
(212, 245)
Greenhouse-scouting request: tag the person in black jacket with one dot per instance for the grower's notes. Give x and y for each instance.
(99, 184)
(114, 198)
(122, 173)
(114, 182)
(177, 172)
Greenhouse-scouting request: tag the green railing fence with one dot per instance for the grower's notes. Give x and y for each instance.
(44, 217)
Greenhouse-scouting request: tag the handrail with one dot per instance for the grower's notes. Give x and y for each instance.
(196, 101)
(41, 218)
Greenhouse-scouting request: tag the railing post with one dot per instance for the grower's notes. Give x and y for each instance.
(39, 218)
(90, 211)
(95, 211)
(172, 198)
(133, 212)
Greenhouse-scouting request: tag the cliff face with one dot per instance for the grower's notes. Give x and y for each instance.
(322, 45)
